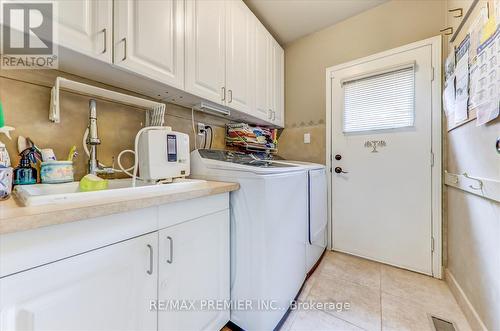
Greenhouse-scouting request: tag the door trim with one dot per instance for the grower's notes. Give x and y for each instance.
(436, 132)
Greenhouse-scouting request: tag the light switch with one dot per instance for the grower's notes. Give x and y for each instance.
(307, 138)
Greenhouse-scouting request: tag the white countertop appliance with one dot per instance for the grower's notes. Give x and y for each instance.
(267, 233)
(163, 154)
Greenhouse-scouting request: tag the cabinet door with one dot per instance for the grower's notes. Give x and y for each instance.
(105, 289)
(239, 31)
(262, 72)
(205, 49)
(278, 91)
(149, 39)
(85, 26)
(194, 267)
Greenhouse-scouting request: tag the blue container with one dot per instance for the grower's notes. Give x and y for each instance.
(54, 172)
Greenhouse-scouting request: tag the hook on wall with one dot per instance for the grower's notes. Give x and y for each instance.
(448, 31)
(480, 182)
(459, 11)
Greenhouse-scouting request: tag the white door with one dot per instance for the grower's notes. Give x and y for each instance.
(105, 289)
(381, 158)
(194, 266)
(262, 72)
(149, 39)
(239, 48)
(86, 26)
(205, 49)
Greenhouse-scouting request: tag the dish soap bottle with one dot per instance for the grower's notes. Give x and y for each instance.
(4, 156)
(24, 173)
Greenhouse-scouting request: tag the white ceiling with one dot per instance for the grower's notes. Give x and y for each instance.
(288, 20)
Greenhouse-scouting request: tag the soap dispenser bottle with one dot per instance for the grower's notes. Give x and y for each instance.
(24, 173)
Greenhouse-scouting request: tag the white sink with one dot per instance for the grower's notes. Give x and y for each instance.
(41, 194)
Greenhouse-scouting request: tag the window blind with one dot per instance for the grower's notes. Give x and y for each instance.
(378, 102)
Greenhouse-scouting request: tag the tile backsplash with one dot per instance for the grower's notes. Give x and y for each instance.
(25, 95)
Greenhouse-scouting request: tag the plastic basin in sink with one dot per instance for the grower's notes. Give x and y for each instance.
(41, 194)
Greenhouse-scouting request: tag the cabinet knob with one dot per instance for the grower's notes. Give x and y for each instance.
(105, 37)
(171, 246)
(124, 49)
(150, 271)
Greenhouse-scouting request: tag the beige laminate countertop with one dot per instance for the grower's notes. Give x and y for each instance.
(14, 217)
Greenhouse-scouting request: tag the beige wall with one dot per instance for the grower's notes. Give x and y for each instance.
(474, 222)
(389, 25)
(25, 97)
(471, 224)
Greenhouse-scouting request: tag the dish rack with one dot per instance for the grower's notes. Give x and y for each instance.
(251, 138)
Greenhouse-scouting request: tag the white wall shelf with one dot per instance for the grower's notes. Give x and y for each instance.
(94, 91)
(483, 187)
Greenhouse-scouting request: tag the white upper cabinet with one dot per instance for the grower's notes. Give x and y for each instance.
(239, 46)
(104, 289)
(85, 26)
(194, 265)
(149, 39)
(205, 49)
(262, 72)
(216, 50)
(278, 83)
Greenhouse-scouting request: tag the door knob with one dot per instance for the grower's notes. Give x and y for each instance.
(338, 157)
(340, 171)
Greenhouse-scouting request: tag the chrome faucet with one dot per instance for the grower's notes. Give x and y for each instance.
(93, 141)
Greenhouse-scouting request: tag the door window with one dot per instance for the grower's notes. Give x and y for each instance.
(380, 101)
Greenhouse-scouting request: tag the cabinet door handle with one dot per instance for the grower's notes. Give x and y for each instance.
(270, 114)
(150, 271)
(223, 92)
(124, 48)
(104, 31)
(230, 92)
(171, 258)
(274, 115)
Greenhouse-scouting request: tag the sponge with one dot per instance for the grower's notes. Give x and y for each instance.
(92, 183)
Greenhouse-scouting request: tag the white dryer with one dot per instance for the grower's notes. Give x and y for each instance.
(317, 209)
(267, 233)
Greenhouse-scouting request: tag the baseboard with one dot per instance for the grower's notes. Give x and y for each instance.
(470, 313)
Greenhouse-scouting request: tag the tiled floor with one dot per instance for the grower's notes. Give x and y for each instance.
(380, 298)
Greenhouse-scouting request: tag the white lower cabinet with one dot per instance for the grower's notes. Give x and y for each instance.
(105, 289)
(182, 258)
(194, 270)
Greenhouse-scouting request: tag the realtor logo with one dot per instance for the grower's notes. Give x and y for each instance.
(28, 35)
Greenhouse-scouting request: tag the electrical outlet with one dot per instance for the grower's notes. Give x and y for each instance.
(201, 129)
(307, 138)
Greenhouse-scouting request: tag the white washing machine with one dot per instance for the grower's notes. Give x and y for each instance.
(317, 215)
(268, 220)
